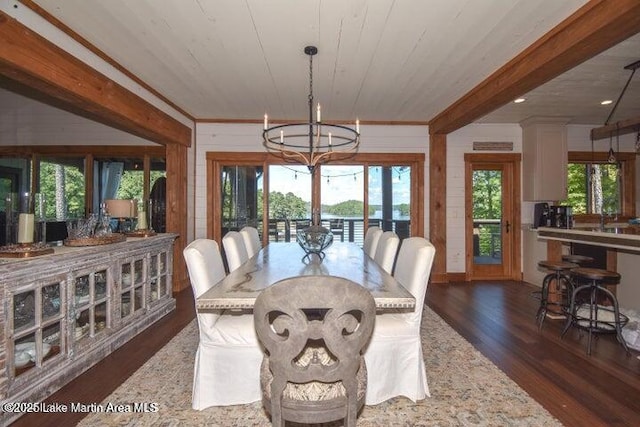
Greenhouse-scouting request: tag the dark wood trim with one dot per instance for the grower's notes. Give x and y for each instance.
(334, 122)
(621, 127)
(215, 160)
(88, 183)
(628, 161)
(457, 277)
(34, 61)
(510, 163)
(595, 27)
(438, 205)
(177, 211)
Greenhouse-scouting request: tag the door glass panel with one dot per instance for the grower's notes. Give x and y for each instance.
(390, 198)
(401, 199)
(342, 201)
(241, 197)
(289, 201)
(487, 216)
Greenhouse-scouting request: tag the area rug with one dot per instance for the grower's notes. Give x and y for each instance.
(466, 390)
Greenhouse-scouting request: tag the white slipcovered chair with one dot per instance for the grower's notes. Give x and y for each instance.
(234, 250)
(386, 250)
(227, 364)
(371, 239)
(394, 356)
(251, 240)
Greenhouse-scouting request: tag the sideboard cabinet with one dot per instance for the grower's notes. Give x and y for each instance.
(62, 313)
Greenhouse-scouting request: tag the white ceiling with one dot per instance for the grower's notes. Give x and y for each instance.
(380, 60)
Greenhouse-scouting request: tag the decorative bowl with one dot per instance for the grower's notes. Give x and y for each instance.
(21, 359)
(29, 348)
(315, 239)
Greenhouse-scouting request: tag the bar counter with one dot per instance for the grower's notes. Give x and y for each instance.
(622, 242)
(627, 237)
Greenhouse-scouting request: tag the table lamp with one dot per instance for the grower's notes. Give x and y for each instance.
(122, 209)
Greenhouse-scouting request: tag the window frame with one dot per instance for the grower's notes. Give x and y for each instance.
(216, 160)
(628, 182)
(89, 153)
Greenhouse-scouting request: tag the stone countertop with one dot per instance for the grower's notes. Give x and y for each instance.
(627, 237)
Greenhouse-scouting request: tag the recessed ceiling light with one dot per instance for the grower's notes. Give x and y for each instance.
(519, 100)
(606, 102)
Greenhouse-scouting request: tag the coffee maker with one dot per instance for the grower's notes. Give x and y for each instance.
(561, 216)
(541, 215)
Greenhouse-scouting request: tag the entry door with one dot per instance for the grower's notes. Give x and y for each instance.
(492, 217)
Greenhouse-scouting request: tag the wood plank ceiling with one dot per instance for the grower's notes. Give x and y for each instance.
(384, 61)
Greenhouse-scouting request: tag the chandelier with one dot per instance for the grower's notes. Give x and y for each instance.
(314, 142)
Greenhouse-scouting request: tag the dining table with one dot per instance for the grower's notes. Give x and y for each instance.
(277, 261)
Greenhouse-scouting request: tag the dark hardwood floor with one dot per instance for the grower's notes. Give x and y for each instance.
(496, 317)
(580, 390)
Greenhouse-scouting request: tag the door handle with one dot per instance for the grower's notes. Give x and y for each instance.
(507, 226)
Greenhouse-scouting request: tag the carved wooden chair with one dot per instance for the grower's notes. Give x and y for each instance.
(313, 329)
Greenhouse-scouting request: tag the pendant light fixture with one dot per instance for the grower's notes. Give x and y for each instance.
(313, 142)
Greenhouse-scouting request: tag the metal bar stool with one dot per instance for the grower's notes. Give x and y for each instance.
(581, 260)
(587, 310)
(558, 272)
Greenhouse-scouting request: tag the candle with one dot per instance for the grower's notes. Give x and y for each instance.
(142, 220)
(281, 137)
(266, 121)
(318, 113)
(329, 139)
(357, 126)
(25, 228)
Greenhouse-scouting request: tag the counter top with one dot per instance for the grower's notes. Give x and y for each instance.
(627, 237)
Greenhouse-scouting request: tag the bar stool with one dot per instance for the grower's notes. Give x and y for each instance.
(591, 315)
(558, 272)
(581, 260)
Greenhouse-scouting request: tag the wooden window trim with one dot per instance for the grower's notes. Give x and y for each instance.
(89, 153)
(628, 182)
(216, 160)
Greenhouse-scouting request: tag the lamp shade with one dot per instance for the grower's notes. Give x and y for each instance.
(126, 208)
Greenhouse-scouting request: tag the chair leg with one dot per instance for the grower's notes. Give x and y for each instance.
(544, 295)
(571, 314)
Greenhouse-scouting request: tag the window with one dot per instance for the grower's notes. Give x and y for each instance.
(367, 189)
(73, 190)
(61, 181)
(597, 187)
(594, 188)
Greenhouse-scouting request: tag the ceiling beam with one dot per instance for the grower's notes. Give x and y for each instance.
(595, 27)
(621, 127)
(32, 60)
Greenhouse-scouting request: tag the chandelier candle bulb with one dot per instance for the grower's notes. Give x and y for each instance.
(311, 143)
(26, 223)
(357, 126)
(266, 121)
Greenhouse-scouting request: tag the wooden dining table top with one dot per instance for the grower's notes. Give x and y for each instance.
(277, 261)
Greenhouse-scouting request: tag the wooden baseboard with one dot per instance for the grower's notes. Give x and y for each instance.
(457, 277)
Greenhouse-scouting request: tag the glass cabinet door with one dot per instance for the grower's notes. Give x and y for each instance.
(35, 326)
(158, 277)
(90, 303)
(132, 287)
